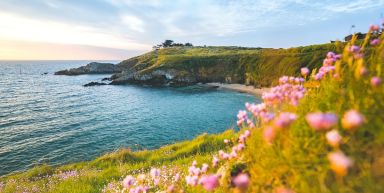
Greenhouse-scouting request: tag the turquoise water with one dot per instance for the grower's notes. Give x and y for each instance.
(55, 120)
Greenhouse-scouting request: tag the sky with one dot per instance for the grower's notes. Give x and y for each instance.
(119, 29)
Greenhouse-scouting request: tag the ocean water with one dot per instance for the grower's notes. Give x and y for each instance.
(55, 120)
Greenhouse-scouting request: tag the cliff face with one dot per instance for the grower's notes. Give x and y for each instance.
(186, 66)
(91, 68)
(181, 66)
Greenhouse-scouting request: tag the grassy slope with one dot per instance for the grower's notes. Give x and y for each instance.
(259, 67)
(297, 159)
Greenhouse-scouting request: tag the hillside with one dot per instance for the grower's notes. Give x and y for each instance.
(321, 131)
(187, 65)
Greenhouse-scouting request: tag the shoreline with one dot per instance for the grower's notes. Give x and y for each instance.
(239, 88)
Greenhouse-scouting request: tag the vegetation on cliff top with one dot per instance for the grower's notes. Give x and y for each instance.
(322, 132)
(254, 66)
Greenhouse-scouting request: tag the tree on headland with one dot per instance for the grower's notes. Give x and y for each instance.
(167, 43)
(170, 43)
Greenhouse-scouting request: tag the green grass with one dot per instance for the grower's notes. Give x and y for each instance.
(254, 66)
(297, 159)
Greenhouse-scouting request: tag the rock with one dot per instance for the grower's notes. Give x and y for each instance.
(94, 84)
(106, 79)
(91, 68)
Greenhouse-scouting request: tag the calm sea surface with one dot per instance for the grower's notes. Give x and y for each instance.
(55, 120)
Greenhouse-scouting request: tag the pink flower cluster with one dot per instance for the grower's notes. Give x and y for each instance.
(290, 90)
(327, 67)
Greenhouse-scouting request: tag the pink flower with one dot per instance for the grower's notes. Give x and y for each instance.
(155, 172)
(333, 138)
(210, 182)
(177, 177)
(192, 180)
(269, 134)
(354, 49)
(304, 71)
(375, 42)
(215, 161)
(247, 133)
(374, 27)
(128, 181)
(352, 120)
(363, 71)
(226, 141)
(284, 120)
(204, 168)
(171, 188)
(240, 147)
(375, 81)
(339, 162)
(241, 181)
(321, 121)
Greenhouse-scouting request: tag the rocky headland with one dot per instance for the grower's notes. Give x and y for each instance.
(184, 66)
(91, 68)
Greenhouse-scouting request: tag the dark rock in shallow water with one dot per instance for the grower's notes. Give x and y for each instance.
(91, 68)
(106, 79)
(94, 84)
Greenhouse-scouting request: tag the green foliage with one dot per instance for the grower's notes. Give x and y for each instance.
(255, 66)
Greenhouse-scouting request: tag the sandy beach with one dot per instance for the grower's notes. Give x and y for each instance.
(239, 88)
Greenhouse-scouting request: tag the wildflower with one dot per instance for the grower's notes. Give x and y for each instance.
(304, 71)
(321, 121)
(215, 161)
(363, 71)
(339, 162)
(352, 119)
(354, 49)
(128, 181)
(242, 138)
(333, 138)
(241, 181)
(375, 42)
(284, 120)
(250, 124)
(210, 182)
(233, 154)
(192, 180)
(374, 28)
(177, 177)
(247, 133)
(242, 115)
(375, 81)
(194, 163)
(240, 147)
(269, 134)
(226, 141)
(155, 172)
(204, 168)
(171, 188)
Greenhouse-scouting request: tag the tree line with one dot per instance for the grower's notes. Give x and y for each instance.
(171, 43)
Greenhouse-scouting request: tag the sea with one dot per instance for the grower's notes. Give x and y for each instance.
(52, 119)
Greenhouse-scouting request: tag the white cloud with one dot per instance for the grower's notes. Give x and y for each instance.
(134, 23)
(16, 27)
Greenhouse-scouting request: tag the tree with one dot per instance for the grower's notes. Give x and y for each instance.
(167, 43)
(188, 44)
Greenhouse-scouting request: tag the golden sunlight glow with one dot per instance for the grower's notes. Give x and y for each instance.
(27, 38)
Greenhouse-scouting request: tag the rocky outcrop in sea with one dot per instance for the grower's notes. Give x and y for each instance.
(91, 68)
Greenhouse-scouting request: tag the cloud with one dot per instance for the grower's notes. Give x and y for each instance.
(134, 23)
(16, 27)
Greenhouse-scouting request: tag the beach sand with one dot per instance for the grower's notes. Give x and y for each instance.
(239, 88)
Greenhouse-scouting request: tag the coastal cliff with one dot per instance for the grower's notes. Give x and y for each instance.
(182, 66)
